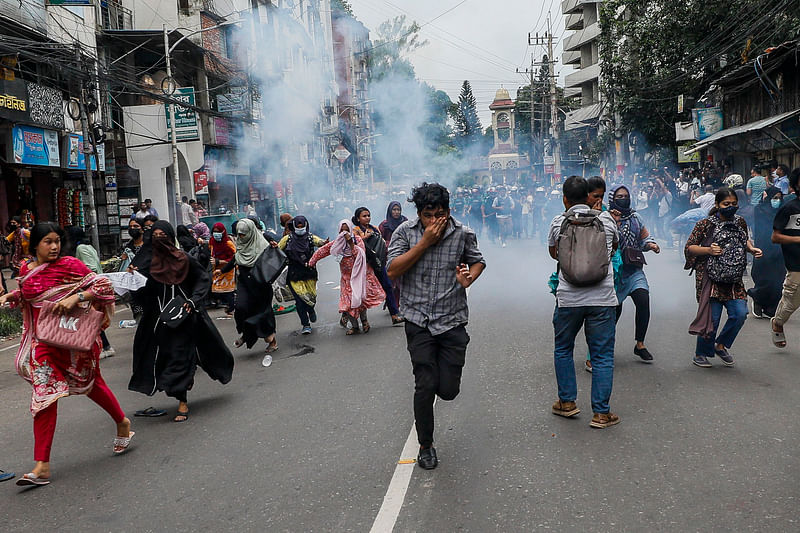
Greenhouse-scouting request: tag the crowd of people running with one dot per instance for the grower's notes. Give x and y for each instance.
(419, 268)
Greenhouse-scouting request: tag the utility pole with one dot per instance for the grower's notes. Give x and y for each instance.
(174, 140)
(530, 73)
(553, 103)
(91, 212)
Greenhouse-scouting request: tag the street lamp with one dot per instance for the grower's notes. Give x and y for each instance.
(351, 106)
(168, 86)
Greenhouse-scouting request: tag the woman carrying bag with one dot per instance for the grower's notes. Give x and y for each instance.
(253, 313)
(53, 290)
(375, 247)
(175, 334)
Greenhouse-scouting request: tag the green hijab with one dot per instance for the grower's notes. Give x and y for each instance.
(249, 243)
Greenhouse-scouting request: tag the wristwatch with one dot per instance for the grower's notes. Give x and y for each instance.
(81, 297)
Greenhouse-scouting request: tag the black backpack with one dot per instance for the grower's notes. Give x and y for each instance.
(730, 266)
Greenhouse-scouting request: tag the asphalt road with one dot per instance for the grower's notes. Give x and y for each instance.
(311, 443)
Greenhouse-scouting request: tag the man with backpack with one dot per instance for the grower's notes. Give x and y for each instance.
(582, 241)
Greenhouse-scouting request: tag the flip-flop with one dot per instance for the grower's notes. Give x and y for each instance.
(271, 348)
(122, 443)
(184, 414)
(5, 476)
(30, 480)
(150, 412)
(239, 342)
(778, 337)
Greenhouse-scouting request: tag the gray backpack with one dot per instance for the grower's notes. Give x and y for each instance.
(583, 256)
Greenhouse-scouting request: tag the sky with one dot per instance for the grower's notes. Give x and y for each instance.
(483, 42)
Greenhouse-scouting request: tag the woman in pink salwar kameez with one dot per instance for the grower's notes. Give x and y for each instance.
(360, 289)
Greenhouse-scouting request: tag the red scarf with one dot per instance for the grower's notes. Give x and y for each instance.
(221, 249)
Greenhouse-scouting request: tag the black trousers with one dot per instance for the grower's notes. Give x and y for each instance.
(437, 361)
(641, 299)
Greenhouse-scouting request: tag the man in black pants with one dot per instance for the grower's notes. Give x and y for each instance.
(434, 258)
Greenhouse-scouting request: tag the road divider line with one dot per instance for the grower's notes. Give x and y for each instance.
(398, 486)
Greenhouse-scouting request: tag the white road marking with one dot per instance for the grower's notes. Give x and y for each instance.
(398, 486)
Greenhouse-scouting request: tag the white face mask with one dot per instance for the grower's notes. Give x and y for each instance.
(217, 236)
(301, 231)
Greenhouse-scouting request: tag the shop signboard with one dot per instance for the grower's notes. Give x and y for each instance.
(200, 182)
(234, 102)
(36, 146)
(186, 124)
(14, 104)
(707, 121)
(222, 131)
(69, 3)
(76, 159)
(691, 158)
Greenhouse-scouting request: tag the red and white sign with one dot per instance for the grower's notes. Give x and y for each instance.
(200, 182)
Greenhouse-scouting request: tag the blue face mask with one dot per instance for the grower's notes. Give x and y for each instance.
(776, 203)
(217, 236)
(301, 231)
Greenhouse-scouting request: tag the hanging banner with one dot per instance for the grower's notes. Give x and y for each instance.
(691, 158)
(75, 157)
(200, 182)
(707, 122)
(36, 146)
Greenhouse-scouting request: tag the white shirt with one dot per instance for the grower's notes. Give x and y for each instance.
(600, 295)
(705, 201)
(641, 201)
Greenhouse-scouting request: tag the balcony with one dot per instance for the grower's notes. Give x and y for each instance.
(115, 16)
(582, 76)
(574, 22)
(569, 7)
(579, 38)
(571, 58)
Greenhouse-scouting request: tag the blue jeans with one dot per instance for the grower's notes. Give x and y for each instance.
(599, 323)
(737, 314)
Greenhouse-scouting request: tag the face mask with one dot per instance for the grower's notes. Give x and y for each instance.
(775, 203)
(135, 233)
(217, 236)
(301, 231)
(729, 211)
(623, 203)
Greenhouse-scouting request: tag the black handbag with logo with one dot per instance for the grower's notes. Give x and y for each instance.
(174, 312)
(269, 265)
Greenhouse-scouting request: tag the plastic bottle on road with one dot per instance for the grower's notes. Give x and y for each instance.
(127, 324)
(267, 360)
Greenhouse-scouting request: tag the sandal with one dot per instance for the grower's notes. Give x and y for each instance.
(184, 414)
(150, 412)
(352, 331)
(778, 337)
(239, 342)
(121, 444)
(31, 480)
(272, 346)
(365, 327)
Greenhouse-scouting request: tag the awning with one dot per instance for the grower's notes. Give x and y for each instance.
(581, 118)
(738, 130)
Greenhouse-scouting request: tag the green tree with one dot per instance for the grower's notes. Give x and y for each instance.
(468, 127)
(342, 5)
(395, 39)
(654, 50)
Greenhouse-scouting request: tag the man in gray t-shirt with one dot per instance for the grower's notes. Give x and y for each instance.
(592, 307)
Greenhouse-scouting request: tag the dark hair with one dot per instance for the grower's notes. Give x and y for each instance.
(430, 196)
(148, 201)
(184, 199)
(74, 236)
(784, 168)
(595, 182)
(40, 231)
(575, 190)
(794, 177)
(149, 218)
(357, 215)
(722, 193)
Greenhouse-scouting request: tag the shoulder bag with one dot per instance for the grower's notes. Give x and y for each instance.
(174, 312)
(75, 330)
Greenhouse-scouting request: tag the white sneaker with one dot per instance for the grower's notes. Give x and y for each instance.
(108, 353)
(504, 245)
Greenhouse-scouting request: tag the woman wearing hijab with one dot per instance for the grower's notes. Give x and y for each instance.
(394, 217)
(360, 288)
(165, 356)
(186, 239)
(634, 239)
(376, 258)
(253, 313)
(768, 271)
(222, 252)
(299, 246)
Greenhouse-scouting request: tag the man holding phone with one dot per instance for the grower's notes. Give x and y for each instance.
(435, 259)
